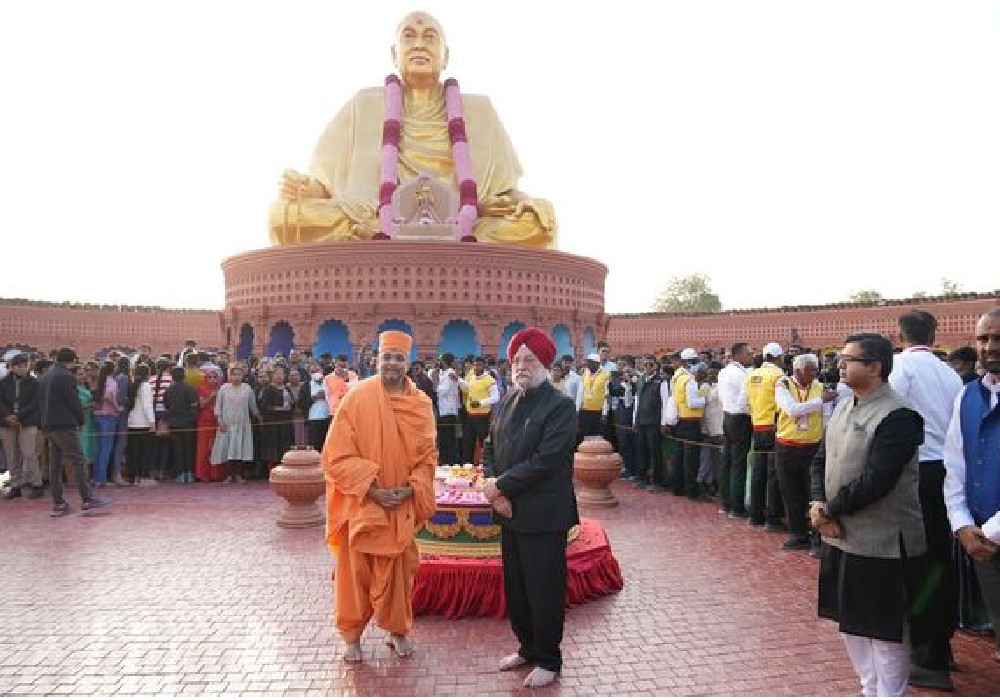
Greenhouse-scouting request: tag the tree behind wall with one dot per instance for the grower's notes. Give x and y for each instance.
(866, 296)
(691, 294)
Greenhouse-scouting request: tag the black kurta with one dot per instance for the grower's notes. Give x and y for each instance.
(530, 450)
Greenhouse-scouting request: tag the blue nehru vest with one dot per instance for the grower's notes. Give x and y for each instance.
(981, 445)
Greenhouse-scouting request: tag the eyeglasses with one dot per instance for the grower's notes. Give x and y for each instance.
(393, 357)
(850, 358)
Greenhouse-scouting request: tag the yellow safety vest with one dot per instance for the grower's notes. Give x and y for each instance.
(595, 390)
(679, 389)
(760, 395)
(479, 390)
(806, 430)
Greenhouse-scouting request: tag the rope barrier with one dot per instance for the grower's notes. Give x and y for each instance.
(453, 426)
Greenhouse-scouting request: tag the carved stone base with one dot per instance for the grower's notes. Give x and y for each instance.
(299, 479)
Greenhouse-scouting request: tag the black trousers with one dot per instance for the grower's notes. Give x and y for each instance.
(534, 581)
(649, 455)
(139, 451)
(317, 432)
(688, 457)
(449, 451)
(591, 423)
(935, 617)
(792, 466)
(182, 443)
(736, 430)
(476, 429)
(765, 493)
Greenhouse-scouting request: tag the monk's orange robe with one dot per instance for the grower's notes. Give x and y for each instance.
(389, 440)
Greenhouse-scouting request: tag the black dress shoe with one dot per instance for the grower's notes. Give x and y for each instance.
(36, 492)
(13, 493)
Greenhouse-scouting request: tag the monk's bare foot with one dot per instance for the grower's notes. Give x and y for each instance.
(539, 677)
(401, 645)
(352, 653)
(512, 661)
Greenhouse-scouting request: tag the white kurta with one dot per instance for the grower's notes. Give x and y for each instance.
(233, 408)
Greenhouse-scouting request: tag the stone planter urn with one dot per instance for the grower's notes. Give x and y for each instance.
(299, 479)
(595, 466)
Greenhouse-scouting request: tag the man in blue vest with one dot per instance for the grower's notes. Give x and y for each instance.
(972, 461)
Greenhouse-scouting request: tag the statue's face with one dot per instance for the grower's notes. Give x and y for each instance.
(420, 49)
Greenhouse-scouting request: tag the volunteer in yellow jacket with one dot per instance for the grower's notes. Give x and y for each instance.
(481, 392)
(690, 409)
(801, 401)
(592, 401)
(758, 388)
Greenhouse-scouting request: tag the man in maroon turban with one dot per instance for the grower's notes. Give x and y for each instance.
(538, 342)
(528, 459)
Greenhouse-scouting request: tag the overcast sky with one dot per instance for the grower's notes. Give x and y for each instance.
(795, 151)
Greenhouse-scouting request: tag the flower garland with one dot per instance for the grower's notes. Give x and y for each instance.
(391, 133)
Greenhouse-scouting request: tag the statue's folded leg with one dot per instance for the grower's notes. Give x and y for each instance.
(317, 221)
(525, 230)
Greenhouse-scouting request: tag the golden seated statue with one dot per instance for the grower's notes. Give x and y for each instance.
(338, 200)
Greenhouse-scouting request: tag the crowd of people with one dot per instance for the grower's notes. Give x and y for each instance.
(749, 431)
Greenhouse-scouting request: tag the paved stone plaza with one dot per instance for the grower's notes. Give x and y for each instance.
(188, 590)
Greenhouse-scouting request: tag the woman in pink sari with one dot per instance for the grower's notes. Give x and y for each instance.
(207, 424)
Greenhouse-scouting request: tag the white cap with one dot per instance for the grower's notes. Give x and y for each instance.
(773, 349)
(689, 354)
(593, 357)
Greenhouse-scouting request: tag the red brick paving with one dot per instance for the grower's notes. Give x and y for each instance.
(193, 590)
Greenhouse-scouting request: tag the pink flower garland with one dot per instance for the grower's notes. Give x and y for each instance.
(468, 210)
(391, 133)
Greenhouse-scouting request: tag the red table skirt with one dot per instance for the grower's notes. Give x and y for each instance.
(473, 587)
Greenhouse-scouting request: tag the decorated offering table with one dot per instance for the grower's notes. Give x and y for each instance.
(460, 570)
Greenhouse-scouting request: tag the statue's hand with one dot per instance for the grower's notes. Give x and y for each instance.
(542, 209)
(294, 186)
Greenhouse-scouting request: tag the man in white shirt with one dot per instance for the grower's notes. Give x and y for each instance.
(930, 386)
(572, 386)
(711, 429)
(972, 460)
(736, 431)
(449, 409)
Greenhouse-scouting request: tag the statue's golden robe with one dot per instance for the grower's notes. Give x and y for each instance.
(347, 160)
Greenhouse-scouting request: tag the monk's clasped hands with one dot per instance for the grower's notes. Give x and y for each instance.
(390, 498)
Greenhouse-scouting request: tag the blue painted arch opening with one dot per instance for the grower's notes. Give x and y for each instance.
(589, 341)
(508, 332)
(563, 339)
(245, 346)
(333, 337)
(459, 338)
(282, 337)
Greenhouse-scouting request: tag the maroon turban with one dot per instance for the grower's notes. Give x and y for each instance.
(537, 340)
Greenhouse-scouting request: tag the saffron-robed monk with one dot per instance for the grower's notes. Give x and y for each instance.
(379, 458)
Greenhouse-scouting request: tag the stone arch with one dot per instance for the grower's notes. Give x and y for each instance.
(281, 340)
(589, 341)
(245, 348)
(396, 324)
(333, 337)
(508, 332)
(563, 338)
(459, 338)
